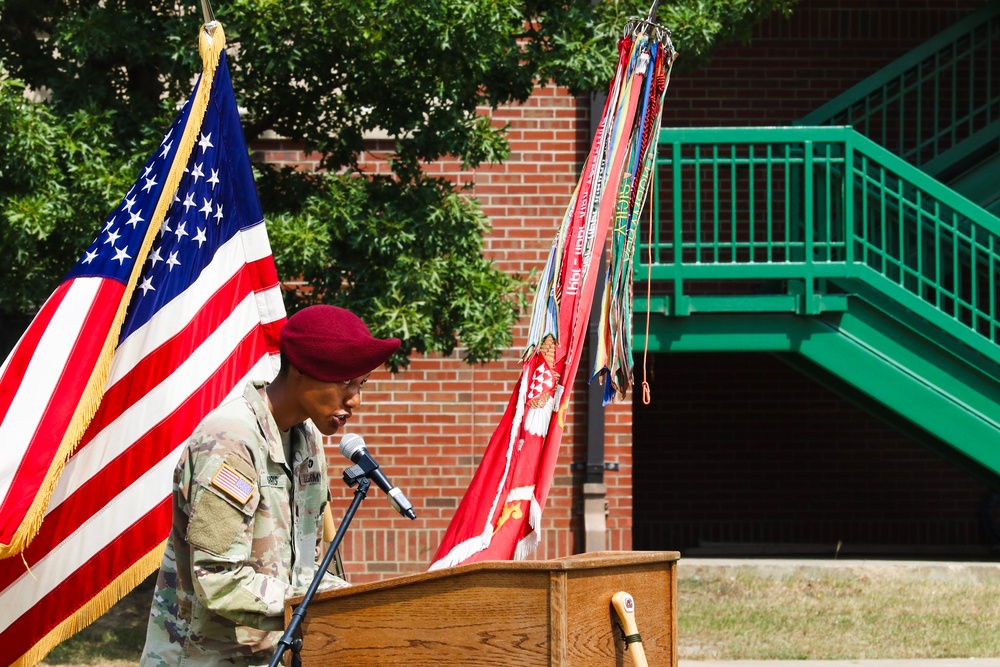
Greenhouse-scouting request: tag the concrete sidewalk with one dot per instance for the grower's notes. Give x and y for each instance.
(774, 568)
(945, 662)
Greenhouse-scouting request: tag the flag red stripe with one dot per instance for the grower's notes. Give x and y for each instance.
(87, 581)
(264, 276)
(21, 356)
(58, 413)
(263, 273)
(143, 454)
(271, 334)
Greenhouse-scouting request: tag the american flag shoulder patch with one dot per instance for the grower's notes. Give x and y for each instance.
(233, 484)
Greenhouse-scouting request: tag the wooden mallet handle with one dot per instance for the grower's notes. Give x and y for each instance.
(625, 607)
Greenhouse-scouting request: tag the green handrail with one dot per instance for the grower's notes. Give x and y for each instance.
(932, 99)
(824, 208)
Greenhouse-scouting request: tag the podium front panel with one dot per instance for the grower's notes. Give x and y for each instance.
(505, 613)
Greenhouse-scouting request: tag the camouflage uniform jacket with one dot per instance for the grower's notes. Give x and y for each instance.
(247, 533)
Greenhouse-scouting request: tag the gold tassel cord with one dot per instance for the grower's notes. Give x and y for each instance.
(646, 397)
(211, 45)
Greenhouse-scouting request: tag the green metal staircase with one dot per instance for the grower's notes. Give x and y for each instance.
(853, 261)
(936, 107)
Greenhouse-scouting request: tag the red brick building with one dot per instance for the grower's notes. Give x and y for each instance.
(734, 448)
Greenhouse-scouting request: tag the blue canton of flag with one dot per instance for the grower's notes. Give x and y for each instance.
(215, 200)
(112, 254)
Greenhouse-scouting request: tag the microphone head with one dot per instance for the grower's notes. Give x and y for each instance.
(351, 444)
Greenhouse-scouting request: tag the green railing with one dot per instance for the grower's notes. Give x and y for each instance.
(750, 218)
(932, 100)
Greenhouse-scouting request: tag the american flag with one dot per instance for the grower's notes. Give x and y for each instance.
(202, 320)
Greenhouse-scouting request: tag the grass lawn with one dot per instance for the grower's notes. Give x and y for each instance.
(727, 617)
(823, 618)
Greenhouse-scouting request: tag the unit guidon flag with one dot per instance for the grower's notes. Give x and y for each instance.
(500, 516)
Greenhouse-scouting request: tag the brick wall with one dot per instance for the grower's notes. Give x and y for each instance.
(793, 65)
(429, 424)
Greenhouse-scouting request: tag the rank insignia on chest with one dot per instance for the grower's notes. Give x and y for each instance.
(233, 484)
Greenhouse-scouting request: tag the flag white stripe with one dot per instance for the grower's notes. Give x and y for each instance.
(157, 404)
(42, 376)
(270, 306)
(255, 243)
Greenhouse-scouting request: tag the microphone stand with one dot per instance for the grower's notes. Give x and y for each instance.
(289, 640)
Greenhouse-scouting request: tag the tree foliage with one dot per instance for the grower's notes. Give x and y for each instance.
(404, 251)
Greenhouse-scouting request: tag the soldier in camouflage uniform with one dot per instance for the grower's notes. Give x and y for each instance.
(249, 494)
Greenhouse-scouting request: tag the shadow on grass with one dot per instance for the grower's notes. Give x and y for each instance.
(118, 635)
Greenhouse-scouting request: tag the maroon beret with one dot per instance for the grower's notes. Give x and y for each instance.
(333, 344)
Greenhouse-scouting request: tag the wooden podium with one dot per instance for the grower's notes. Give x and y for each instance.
(555, 612)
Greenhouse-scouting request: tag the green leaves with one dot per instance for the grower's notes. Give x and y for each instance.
(53, 172)
(405, 251)
(407, 257)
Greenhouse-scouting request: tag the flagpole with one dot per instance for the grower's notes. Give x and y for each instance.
(206, 11)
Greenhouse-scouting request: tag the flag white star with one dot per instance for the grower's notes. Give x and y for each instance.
(200, 237)
(207, 208)
(134, 219)
(205, 142)
(218, 213)
(121, 255)
(147, 286)
(150, 182)
(165, 228)
(145, 172)
(166, 149)
(167, 136)
(214, 180)
(180, 231)
(110, 222)
(112, 237)
(154, 257)
(91, 256)
(172, 261)
(189, 201)
(197, 173)
(129, 203)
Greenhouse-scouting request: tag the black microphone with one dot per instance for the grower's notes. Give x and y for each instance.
(352, 446)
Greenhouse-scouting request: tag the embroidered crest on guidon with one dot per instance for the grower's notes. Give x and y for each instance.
(233, 484)
(542, 390)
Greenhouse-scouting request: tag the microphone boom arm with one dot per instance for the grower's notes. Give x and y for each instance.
(288, 639)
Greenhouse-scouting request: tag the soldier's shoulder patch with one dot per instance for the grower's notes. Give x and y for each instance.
(233, 484)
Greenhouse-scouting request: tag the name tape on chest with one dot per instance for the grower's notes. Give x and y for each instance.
(308, 478)
(233, 484)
